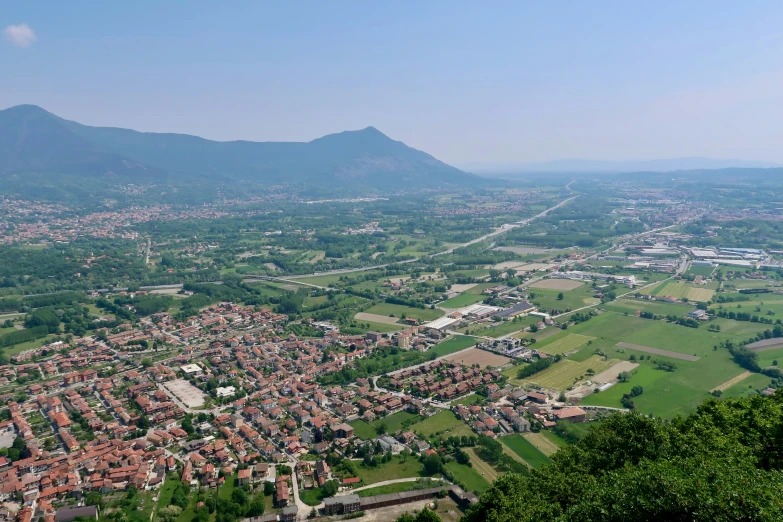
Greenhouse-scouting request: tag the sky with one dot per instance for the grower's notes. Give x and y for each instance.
(468, 82)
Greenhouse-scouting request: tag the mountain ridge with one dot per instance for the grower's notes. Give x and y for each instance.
(36, 141)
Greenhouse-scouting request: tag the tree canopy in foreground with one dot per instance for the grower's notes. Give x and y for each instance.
(722, 463)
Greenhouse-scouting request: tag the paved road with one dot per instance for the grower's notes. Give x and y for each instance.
(503, 229)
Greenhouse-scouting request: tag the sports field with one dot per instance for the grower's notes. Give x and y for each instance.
(563, 374)
(565, 344)
(678, 290)
(477, 356)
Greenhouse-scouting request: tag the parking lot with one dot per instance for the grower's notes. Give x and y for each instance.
(191, 396)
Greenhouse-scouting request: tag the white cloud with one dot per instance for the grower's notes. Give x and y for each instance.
(19, 35)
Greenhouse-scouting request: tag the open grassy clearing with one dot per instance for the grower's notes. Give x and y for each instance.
(631, 305)
(554, 438)
(444, 423)
(747, 387)
(378, 327)
(363, 429)
(387, 309)
(566, 344)
(562, 374)
(525, 450)
(376, 318)
(394, 469)
(395, 421)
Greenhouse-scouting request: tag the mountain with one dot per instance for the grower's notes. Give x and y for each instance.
(34, 141)
(576, 166)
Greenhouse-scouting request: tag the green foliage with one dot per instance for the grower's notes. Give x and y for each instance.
(723, 462)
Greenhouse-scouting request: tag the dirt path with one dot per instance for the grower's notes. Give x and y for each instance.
(542, 444)
(731, 382)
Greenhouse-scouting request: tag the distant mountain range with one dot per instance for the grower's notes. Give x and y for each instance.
(40, 146)
(577, 166)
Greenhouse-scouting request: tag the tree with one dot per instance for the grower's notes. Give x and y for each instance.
(636, 391)
(433, 464)
(269, 488)
(381, 429)
(169, 513)
(462, 457)
(256, 507)
(560, 296)
(623, 376)
(632, 467)
(330, 488)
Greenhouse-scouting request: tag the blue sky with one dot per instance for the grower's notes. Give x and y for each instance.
(468, 82)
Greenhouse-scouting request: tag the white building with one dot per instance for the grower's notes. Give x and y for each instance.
(228, 391)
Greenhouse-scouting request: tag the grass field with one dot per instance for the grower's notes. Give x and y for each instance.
(562, 374)
(444, 423)
(566, 344)
(467, 401)
(462, 300)
(526, 450)
(678, 289)
(394, 469)
(467, 476)
(387, 309)
(455, 344)
(394, 422)
(369, 326)
(556, 439)
(630, 305)
(363, 429)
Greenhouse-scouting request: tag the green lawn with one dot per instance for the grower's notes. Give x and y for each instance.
(312, 497)
(467, 476)
(465, 299)
(454, 344)
(526, 450)
(422, 314)
(166, 493)
(228, 487)
(467, 401)
(630, 305)
(369, 326)
(363, 430)
(566, 344)
(704, 271)
(394, 423)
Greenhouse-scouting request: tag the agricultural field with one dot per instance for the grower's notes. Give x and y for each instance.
(543, 443)
(394, 423)
(388, 309)
(481, 466)
(453, 344)
(679, 290)
(573, 299)
(631, 305)
(526, 450)
(565, 344)
(563, 374)
(481, 357)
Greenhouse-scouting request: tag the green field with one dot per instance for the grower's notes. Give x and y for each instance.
(526, 450)
(394, 422)
(388, 309)
(444, 423)
(467, 476)
(461, 300)
(572, 299)
(369, 326)
(467, 401)
(363, 429)
(454, 344)
(566, 344)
